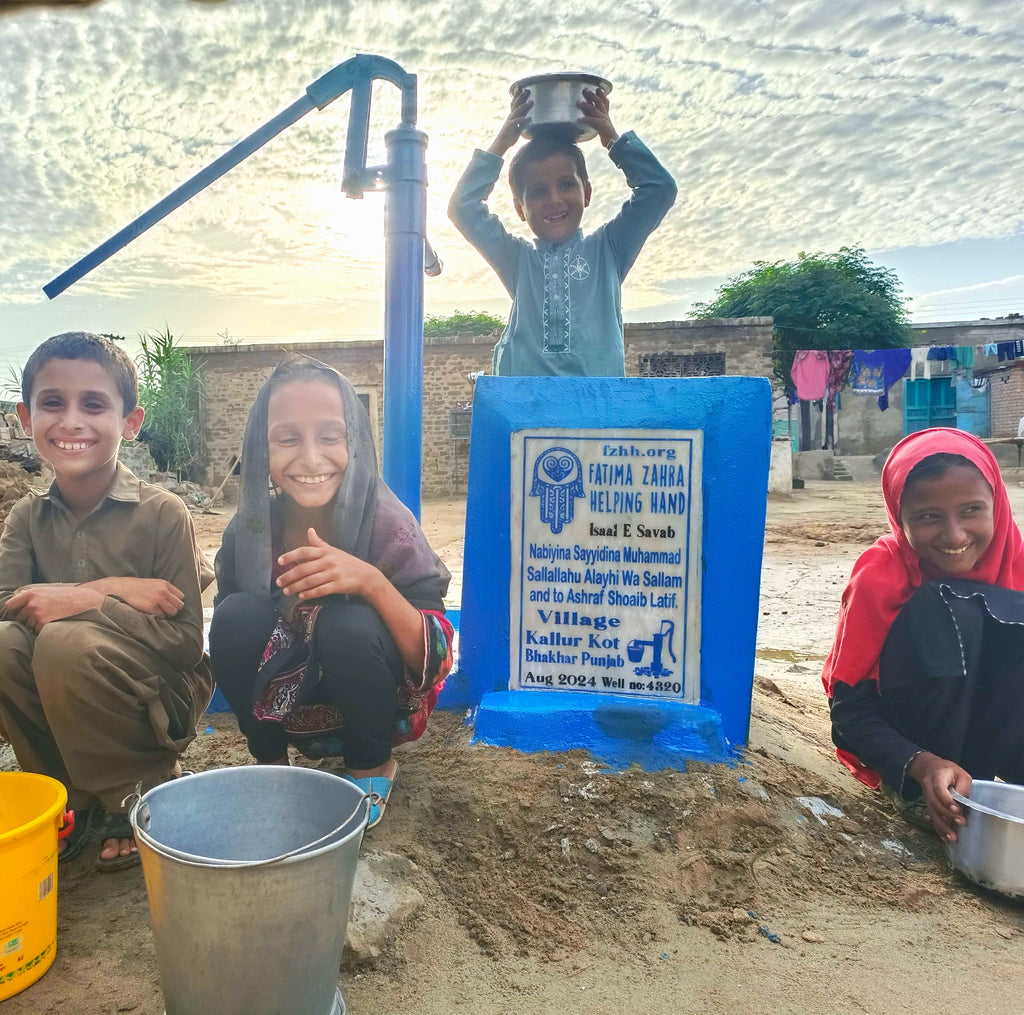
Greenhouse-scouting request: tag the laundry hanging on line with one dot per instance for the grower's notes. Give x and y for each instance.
(965, 360)
(875, 371)
(867, 372)
(810, 374)
(820, 374)
(920, 364)
(839, 361)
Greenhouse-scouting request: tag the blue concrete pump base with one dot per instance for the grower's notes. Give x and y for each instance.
(619, 731)
(734, 414)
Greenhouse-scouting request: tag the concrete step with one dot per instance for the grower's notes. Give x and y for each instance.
(840, 472)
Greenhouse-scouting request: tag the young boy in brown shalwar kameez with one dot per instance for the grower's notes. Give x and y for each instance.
(102, 671)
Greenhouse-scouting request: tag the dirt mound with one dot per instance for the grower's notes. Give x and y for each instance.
(15, 482)
(540, 854)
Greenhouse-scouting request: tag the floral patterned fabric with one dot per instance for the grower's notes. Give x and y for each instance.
(289, 676)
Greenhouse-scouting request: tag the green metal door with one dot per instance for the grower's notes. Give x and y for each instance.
(927, 403)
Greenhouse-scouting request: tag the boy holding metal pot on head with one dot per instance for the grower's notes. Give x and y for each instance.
(566, 316)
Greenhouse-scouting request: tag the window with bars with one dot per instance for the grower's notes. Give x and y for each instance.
(675, 364)
(459, 421)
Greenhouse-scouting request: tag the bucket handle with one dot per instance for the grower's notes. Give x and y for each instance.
(140, 818)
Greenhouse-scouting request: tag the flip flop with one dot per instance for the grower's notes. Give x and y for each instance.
(913, 812)
(380, 786)
(78, 836)
(114, 826)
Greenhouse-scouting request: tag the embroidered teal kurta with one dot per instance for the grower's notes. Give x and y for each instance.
(566, 316)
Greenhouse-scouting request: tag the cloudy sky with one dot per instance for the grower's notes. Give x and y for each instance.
(789, 126)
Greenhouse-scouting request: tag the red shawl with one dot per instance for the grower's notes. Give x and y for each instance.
(888, 573)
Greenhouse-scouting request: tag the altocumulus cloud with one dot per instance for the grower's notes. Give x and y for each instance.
(788, 126)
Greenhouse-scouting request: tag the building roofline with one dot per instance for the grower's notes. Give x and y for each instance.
(282, 346)
(703, 322)
(988, 322)
(459, 339)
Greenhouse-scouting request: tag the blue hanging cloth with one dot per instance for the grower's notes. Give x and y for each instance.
(867, 372)
(895, 363)
(875, 371)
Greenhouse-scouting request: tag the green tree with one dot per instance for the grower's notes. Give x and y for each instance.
(818, 301)
(476, 322)
(170, 390)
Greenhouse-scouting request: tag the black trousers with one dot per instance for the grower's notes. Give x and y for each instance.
(361, 666)
(951, 681)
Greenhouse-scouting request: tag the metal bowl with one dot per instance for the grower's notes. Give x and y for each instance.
(554, 103)
(989, 849)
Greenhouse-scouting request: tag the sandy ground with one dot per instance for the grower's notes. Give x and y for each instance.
(553, 885)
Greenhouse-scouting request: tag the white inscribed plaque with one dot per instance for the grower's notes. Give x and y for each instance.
(606, 561)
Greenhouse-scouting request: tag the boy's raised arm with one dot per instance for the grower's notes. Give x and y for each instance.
(468, 205)
(654, 192)
(468, 212)
(512, 129)
(595, 109)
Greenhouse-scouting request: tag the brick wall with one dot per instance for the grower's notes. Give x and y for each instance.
(446, 362)
(233, 374)
(746, 343)
(1006, 401)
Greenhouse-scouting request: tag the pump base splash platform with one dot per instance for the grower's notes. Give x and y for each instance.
(651, 734)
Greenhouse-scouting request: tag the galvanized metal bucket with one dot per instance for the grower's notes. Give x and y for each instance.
(249, 873)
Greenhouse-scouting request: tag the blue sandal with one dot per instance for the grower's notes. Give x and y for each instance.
(380, 787)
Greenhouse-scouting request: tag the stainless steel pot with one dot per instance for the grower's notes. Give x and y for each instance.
(989, 849)
(554, 103)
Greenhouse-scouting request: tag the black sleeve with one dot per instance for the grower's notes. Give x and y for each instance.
(858, 727)
(224, 565)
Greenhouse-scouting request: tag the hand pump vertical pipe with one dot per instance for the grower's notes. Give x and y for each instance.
(404, 231)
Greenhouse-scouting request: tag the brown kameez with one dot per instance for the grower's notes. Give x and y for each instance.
(110, 697)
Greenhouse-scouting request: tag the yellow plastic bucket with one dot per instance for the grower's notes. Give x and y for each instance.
(31, 814)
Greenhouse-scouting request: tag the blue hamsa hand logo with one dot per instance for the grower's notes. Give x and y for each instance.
(557, 481)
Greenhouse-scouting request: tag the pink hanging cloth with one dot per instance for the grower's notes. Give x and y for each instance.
(810, 372)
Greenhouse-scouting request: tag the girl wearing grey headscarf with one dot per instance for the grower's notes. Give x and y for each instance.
(336, 672)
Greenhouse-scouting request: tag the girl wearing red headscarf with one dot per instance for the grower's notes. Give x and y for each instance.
(925, 677)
